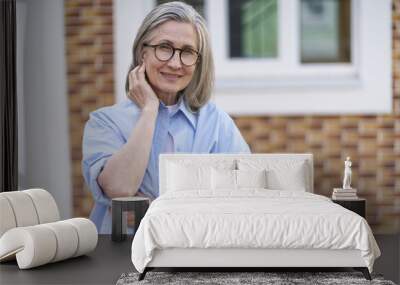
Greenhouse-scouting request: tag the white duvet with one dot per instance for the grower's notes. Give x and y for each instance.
(252, 218)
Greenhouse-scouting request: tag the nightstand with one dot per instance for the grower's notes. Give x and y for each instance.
(119, 208)
(357, 205)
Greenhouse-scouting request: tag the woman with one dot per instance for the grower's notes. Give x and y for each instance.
(169, 86)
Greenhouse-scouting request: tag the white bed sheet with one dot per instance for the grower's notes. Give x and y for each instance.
(251, 218)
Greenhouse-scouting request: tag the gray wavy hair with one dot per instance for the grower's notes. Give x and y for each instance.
(198, 91)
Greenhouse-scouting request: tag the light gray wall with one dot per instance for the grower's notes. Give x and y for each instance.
(44, 132)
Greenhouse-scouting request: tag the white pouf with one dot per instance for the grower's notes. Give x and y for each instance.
(30, 230)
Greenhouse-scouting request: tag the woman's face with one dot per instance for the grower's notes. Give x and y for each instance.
(167, 78)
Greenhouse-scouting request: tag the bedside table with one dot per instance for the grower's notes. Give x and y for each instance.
(121, 205)
(357, 205)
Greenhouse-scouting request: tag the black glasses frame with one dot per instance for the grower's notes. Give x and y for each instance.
(173, 53)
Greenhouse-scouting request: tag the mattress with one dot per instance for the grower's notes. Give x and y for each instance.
(250, 219)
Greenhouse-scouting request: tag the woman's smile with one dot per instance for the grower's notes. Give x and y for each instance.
(170, 76)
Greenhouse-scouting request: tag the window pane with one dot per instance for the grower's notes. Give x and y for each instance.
(325, 31)
(198, 5)
(253, 28)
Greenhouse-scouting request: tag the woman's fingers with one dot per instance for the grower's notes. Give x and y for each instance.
(139, 89)
(135, 92)
(132, 83)
(140, 73)
(132, 75)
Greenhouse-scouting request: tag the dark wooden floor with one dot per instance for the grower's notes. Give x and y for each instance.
(389, 262)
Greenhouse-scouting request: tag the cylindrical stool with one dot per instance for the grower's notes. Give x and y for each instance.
(119, 208)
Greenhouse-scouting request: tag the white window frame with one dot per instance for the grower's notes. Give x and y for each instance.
(283, 85)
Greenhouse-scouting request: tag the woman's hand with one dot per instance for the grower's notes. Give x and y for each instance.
(123, 173)
(140, 90)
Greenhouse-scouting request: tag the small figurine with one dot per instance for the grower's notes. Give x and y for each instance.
(347, 174)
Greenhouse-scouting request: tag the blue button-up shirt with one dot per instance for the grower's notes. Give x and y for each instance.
(210, 130)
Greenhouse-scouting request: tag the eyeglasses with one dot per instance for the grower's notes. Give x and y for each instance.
(165, 52)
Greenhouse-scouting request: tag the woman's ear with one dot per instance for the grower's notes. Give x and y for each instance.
(143, 57)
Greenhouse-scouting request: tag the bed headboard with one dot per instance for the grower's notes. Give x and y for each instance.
(233, 159)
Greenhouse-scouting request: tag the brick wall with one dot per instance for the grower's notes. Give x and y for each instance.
(89, 48)
(373, 142)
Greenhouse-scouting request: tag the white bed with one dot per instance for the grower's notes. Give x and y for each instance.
(203, 220)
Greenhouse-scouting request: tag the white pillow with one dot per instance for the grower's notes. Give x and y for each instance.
(295, 180)
(282, 174)
(227, 179)
(181, 177)
(251, 178)
(223, 179)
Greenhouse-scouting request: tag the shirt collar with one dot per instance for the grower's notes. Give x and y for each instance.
(190, 116)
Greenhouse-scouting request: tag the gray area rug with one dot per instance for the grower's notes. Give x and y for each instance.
(229, 278)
